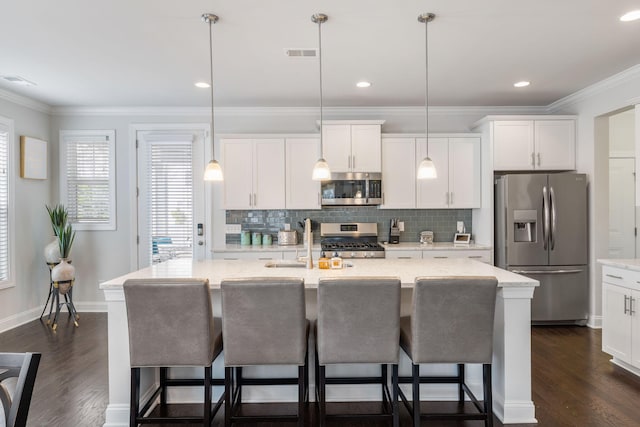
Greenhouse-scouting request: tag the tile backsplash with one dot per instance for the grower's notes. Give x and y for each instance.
(441, 221)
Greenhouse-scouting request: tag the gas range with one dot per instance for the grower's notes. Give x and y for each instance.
(351, 240)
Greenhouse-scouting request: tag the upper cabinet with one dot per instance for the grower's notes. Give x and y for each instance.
(457, 161)
(301, 191)
(533, 144)
(254, 173)
(352, 146)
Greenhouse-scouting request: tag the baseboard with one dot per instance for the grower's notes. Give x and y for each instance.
(595, 322)
(18, 319)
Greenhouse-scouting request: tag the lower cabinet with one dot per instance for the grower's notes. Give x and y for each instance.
(248, 255)
(620, 317)
(483, 255)
(403, 254)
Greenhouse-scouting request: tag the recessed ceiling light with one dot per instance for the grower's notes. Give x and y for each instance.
(630, 16)
(203, 85)
(363, 84)
(522, 84)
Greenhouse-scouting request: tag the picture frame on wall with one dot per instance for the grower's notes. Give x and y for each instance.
(33, 158)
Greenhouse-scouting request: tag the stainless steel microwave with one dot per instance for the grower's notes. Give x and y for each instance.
(352, 189)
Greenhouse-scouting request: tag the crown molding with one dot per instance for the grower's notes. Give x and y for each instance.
(293, 111)
(25, 101)
(595, 89)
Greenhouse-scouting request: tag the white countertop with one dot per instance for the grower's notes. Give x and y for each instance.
(406, 269)
(629, 264)
(402, 246)
(437, 246)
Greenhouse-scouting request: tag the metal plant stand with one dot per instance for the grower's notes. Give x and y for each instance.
(54, 297)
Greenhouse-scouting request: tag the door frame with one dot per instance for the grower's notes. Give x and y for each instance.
(133, 181)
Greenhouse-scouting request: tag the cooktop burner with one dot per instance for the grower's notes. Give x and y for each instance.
(351, 240)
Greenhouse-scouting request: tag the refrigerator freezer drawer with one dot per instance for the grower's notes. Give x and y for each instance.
(563, 294)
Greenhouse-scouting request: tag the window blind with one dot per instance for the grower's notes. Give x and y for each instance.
(171, 205)
(90, 180)
(4, 205)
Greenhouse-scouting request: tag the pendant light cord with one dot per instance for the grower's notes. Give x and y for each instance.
(213, 155)
(320, 62)
(426, 81)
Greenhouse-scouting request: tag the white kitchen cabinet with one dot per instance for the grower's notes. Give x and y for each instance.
(457, 162)
(254, 173)
(410, 254)
(483, 255)
(620, 317)
(302, 192)
(398, 173)
(545, 144)
(352, 147)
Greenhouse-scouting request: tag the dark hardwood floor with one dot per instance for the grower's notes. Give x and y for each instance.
(573, 382)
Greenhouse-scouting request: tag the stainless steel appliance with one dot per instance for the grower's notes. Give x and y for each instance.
(351, 240)
(352, 188)
(541, 232)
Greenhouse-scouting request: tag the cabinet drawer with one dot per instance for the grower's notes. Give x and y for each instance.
(249, 255)
(403, 254)
(621, 277)
(478, 255)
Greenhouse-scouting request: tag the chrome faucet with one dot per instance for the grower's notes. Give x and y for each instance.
(309, 234)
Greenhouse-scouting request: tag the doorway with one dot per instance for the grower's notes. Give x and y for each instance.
(170, 194)
(622, 221)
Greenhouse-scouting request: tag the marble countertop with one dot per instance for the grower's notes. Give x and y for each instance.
(406, 269)
(436, 246)
(402, 246)
(629, 264)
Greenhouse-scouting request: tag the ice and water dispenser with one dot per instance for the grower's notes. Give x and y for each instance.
(524, 225)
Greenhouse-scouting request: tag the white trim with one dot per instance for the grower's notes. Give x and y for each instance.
(595, 89)
(110, 136)
(25, 102)
(12, 175)
(134, 128)
(91, 306)
(294, 111)
(595, 321)
(18, 319)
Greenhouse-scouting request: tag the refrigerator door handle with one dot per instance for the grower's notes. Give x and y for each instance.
(545, 217)
(545, 271)
(552, 199)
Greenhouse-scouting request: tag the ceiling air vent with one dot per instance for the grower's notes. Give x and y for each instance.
(18, 80)
(301, 53)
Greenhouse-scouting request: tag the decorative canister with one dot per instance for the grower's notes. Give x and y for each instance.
(52, 252)
(256, 238)
(245, 238)
(267, 239)
(63, 273)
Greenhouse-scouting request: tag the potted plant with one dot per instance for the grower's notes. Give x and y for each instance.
(64, 273)
(58, 215)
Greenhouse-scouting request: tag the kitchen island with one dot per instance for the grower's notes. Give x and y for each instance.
(512, 337)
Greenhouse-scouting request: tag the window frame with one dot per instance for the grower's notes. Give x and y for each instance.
(11, 248)
(110, 136)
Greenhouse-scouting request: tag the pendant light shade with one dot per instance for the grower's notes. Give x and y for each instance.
(321, 171)
(213, 172)
(426, 169)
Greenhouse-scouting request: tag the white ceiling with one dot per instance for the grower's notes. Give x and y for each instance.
(150, 52)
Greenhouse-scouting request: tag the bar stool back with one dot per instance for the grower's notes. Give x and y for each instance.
(171, 324)
(264, 323)
(451, 322)
(358, 322)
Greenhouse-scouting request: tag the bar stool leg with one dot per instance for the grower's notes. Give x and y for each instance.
(415, 372)
(301, 392)
(384, 380)
(228, 395)
(135, 396)
(488, 394)
(207, 396)
(460, 382)
(395, 407)
(163, 385)
(322, 404)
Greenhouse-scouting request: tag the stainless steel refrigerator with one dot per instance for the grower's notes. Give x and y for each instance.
(541, 232)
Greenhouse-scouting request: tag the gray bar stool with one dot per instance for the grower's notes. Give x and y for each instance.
(451, 322)
(171, 324)
(264, 323)
(358, 322)
(17, 379)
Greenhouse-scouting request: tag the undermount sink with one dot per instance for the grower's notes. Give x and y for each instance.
(285, 264)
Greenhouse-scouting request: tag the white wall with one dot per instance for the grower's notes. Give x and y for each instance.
(31, 226)
(622, 134)
(598, 102)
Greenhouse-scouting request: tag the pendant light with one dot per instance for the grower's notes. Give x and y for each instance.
(321, 171)
(213, 172)
(426, 170)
